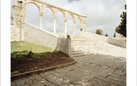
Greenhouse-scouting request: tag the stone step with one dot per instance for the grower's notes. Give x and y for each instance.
(83, 45)
(77, 55)
(80, 54)
(75, 52)
(79, 48)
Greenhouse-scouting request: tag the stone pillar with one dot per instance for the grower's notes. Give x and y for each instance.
(41, 16)
(16, 23)
(17, 19)
(83, 24)
(24, 12)
(22, 21)
(54, 23)
(81, 27)
(65, 20)
(74, 28)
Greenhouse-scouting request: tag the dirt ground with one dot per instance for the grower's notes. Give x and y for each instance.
(18, 66)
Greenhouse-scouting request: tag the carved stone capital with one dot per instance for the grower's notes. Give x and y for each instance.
(15, 6)
(54, 17)
(65, 20)
(74, 21)
(41, 13)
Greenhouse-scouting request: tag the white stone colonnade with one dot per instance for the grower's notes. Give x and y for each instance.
(20, 16)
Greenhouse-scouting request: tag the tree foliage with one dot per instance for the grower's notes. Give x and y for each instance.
(121, 29)
(99, 31)
(106, 35)
(114, 35)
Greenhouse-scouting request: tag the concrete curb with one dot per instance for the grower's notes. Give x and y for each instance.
(16, 76)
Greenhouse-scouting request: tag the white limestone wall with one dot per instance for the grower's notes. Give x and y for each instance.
(117, 42)
(120, 37)
(12, 33)
(15, 33)
(33, 34)
(38, 36)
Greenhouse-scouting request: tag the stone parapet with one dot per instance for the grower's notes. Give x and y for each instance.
(117, 42)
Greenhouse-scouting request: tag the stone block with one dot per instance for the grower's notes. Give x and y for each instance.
(19, 82)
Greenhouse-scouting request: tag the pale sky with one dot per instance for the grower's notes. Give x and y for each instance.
(103, 14)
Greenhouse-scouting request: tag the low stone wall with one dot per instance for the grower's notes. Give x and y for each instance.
(93, 36)
(117, 42)
(114, 41)
(35, 35)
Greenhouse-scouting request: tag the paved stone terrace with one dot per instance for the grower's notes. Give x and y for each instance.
(90, 70)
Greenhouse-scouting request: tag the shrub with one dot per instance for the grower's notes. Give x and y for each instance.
(114, 35)
(106, 35)
(99, 31)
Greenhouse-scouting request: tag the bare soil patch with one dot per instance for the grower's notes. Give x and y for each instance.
(20, 66)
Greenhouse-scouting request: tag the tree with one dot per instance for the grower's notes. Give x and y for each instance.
(121, 29)
(114, 35)
(106, 35)
(99, 31)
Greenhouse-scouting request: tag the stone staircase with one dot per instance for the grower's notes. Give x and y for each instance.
(77, 44)
(81, 46)
(78, 47)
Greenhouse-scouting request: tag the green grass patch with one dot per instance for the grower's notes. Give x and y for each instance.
(28, 55)
(24, 51)
(24, 46)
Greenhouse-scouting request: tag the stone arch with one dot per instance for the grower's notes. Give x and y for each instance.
(50, 9)
(30, 18)
(34, 4)
(70, 24)
(80, 19)
(60, 22)
(78, 26)
(71, 15)
(48, 16)
(63, 12)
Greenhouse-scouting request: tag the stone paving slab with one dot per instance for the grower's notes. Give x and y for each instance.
(91, 70)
